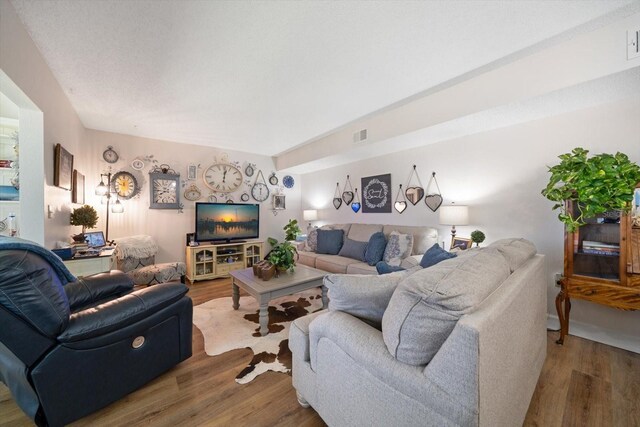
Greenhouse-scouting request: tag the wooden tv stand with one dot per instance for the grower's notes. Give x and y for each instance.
(209, 261)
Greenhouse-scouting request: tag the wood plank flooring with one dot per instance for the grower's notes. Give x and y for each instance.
(583, 383)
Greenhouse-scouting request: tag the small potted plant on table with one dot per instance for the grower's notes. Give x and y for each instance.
(86, 217)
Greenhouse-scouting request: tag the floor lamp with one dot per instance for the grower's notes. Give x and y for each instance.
(106, 193)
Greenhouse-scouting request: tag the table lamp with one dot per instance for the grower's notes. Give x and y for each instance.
(310, 215)
(454, 215)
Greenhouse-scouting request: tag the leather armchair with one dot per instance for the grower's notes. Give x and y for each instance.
(68, 349)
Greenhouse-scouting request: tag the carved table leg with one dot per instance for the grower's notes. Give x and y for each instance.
(235, 295)
(264, 318)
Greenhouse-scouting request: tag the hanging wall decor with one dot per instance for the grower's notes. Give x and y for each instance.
(347, 195)
(400, 205)
(164, 185)
(337, 200)
(376, 194)
(414, 193)
(260, 191)
(433, 201)
(288, 181)
(355, 206)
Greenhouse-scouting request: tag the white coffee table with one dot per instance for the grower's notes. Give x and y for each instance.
(301, 279)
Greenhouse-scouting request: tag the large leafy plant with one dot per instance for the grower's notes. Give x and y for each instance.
(291, 230)
(283, 255)
(598, 184)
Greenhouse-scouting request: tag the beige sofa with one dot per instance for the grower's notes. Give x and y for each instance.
(423, 239)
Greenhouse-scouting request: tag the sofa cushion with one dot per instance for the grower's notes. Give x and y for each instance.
(423, 237)
(363, 232)
(375, 248)
(312, 240)
(334, 263)
(353, 249)
(515, 250)
(426, 306)
(384, 268)
(307, 258)
(343, 227)
(330, 241)
(398, 247)
(434, 255)
(361, 268)
(363, 296)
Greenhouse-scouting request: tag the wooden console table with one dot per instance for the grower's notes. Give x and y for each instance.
(88, 266)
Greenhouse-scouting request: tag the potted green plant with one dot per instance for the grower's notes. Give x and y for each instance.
(86, 217)
(291, 230)
(598, 184)
(283, 255)
(477, 237)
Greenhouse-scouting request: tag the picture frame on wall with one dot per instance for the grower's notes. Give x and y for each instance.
(62, 168)
(192, 172)
(376, 194)
(279, 202)
(77, 192)
(460, 243)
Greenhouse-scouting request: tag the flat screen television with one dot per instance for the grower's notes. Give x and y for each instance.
(227, 222)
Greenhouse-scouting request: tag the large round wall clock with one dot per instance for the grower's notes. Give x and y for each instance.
(125, 185)
(222, 177)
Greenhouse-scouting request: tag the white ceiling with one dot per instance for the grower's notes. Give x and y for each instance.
(264, 76)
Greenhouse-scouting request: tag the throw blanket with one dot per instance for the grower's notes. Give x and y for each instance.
(65, 276)
(140, 246)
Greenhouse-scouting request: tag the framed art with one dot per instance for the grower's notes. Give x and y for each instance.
(77, 193)
(192, 172)
(279, 201)
(62, 168)
(460, 243)
(376, 194)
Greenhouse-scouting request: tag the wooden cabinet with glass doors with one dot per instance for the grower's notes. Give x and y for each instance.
(602, 263)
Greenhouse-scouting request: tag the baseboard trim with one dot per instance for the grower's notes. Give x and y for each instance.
(596, 333)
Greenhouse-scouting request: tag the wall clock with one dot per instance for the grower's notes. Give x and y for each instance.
(273, 179)
(125, 185)
(288, 181)
(137, 164)
(164, 190)
(222, 177)
(192, 193)
(260, 191)
(109, 155)
(244, 197)
(249, 170)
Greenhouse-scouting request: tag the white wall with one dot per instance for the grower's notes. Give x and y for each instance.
(500, 174)
(169, 227)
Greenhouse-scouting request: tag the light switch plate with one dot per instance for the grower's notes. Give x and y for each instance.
(633, 44)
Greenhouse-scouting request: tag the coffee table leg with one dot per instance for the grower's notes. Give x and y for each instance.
(264, 318)
(235, 296)
(325, 299)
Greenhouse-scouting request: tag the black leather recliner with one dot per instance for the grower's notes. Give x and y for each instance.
(68, 350)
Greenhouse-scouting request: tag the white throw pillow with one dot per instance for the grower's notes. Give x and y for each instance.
(399, 246)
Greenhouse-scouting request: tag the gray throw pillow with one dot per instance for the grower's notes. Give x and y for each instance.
(363, 296)
(353, 249)
(398, 248)
(329, 241)
(312, 240)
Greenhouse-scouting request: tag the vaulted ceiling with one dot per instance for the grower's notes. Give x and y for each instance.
(264, 76)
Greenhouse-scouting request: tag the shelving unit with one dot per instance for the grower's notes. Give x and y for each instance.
(8, 127)
(211, 261)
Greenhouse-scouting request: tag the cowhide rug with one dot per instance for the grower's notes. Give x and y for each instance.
(226, 329)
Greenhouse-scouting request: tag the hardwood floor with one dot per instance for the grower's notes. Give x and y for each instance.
(583, 383)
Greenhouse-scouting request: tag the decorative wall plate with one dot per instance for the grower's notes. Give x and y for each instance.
(288, 181)
(337, 200)
(137, 164)
(273, 179)
(347, 195)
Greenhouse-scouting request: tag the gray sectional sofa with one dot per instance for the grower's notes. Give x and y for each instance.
(423, 239)
(461, 343)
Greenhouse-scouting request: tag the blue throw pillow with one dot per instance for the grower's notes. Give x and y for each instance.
(384, 268)
(329, 241)
(375, 248)
(353, 249)
(434, 255)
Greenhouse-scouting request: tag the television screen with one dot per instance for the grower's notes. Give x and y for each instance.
(227, 221)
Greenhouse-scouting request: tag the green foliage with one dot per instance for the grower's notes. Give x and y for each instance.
(477, 237)
(283, 255)
(291, 230)
(598, 184)
(85, 216)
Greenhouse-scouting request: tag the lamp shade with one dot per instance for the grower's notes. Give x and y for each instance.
(310, 215)
(454, 215)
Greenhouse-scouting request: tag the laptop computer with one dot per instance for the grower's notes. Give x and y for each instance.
(95, 239)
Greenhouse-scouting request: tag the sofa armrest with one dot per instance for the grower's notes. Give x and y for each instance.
(99, 287)
(299, 335)
(115, 314)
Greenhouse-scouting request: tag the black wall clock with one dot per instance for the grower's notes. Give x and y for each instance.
(125, 185)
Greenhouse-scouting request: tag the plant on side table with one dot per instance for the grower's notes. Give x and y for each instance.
(86, 217)
(599, 184)
(283, 255)
(477, 237)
